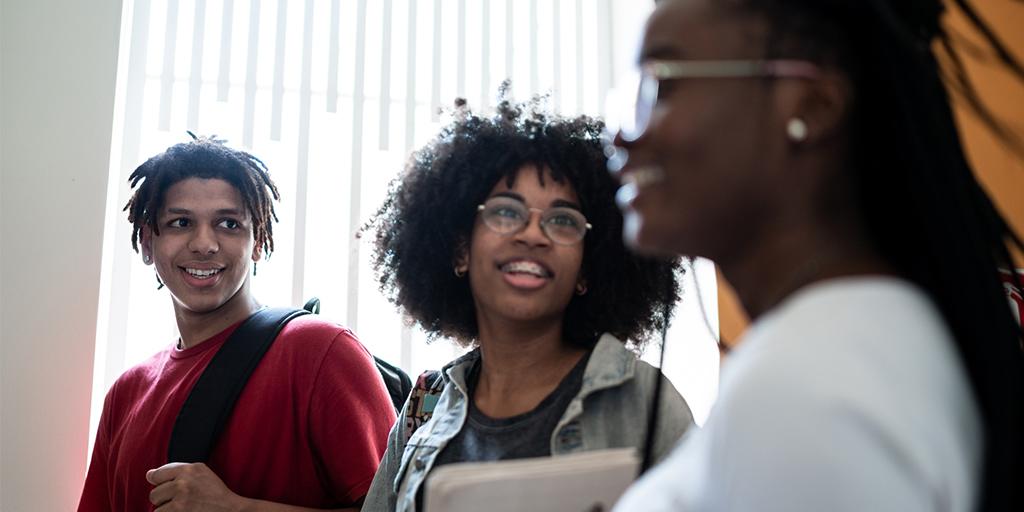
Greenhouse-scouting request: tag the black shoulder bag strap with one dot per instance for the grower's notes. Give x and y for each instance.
(209, 404)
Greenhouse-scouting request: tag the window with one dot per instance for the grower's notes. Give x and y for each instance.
(333, 95)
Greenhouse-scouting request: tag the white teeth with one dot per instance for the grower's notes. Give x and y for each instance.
(202, 274)
(524, 267)
(645, 176)
(634, 181)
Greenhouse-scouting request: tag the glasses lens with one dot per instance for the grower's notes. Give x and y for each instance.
(564, 225)
(504, 215)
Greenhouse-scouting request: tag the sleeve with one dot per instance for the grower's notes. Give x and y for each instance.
(96, 490)
(675, 419)
(382, 497)
(350, 415)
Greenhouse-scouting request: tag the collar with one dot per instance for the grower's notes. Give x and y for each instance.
(610, 364)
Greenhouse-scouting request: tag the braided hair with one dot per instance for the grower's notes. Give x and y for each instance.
(205, 158)
(925, 210)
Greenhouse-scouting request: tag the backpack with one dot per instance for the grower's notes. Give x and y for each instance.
(209, 404)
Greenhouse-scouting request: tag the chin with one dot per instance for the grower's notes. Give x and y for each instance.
(201, 305)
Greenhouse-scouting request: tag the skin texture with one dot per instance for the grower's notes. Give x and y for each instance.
(523, 353)
(774, 213)
(204, 224)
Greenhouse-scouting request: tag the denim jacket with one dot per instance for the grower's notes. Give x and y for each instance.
(609, 411)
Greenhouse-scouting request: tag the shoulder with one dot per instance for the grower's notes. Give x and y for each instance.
(143, 373)
(864, 369)
(309, 332)
(860, 339)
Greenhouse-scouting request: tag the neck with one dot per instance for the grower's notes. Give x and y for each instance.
(197, 327)
(521, 364)
(772, 268)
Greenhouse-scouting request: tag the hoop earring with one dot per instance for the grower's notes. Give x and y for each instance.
(460, 272)
(581, 289)
(796, 129)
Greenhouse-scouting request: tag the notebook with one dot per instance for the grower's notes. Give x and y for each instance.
(586, 482)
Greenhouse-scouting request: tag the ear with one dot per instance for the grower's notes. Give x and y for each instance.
(461, 258)
(146, 244)
(257, 253)
(822, 104)
(581, 286)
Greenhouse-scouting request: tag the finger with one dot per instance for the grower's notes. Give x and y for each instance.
(163, 493)
(165, 473)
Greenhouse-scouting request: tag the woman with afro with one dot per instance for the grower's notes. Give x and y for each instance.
(503, 234)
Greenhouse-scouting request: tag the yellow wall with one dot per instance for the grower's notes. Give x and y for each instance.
(999, 169)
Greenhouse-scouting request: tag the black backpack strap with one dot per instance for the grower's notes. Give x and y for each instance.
(396, 381)
(213, 397)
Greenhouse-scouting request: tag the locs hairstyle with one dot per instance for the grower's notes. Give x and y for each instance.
(924, 208)
(205, 158)
(431, 208)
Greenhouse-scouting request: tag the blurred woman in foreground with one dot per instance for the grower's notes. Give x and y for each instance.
(809, 148)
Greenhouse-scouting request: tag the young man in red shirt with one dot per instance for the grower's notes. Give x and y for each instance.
(311, 424)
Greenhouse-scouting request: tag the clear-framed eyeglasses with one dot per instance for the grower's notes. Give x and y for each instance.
(633, 101)
(561, 224)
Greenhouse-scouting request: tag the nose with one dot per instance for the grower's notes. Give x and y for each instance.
(533, 233)
(204, 240)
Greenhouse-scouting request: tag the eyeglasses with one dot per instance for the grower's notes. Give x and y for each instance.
(505, 216)
(634, 114)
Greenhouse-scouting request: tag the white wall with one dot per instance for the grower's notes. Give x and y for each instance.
(59, 62)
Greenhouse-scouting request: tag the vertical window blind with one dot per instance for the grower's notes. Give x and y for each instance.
(333, 95)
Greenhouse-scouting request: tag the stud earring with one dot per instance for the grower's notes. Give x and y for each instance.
(145, 259)
(796, 129)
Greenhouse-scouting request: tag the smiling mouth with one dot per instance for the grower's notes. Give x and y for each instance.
(636, 180)
(200, 273)
(526, 267)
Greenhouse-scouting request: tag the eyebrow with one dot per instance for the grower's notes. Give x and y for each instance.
(222, 211)
(556, 203)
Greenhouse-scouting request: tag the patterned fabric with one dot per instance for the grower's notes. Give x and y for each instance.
(617, 389)
(422, 400)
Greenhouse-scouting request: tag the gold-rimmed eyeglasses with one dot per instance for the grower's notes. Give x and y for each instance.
(561, 224)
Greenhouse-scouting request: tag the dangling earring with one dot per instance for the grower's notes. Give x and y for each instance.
(796, 129)
(254, 268)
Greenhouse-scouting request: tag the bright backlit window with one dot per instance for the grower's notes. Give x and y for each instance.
(333, 95)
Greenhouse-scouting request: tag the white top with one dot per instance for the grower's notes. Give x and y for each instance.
(849, 396)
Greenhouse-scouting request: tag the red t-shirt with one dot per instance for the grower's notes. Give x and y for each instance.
(309, 428)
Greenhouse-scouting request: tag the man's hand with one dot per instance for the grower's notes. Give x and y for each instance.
(193, 487)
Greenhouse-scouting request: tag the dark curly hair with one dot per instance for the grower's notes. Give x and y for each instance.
(207, 158)
(430, 212)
